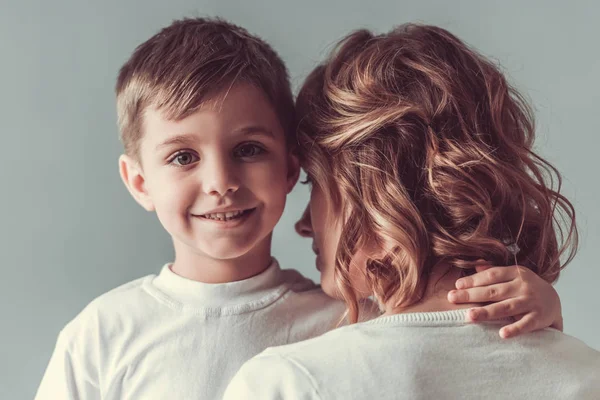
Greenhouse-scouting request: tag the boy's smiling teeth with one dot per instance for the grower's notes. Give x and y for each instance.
(225, 216)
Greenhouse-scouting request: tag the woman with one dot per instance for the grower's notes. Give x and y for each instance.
(421, 163)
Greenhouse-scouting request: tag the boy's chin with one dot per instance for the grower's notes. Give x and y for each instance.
(235, 248)
(223, 250)
(230, 253)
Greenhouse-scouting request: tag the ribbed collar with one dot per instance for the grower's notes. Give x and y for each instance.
(218, 298)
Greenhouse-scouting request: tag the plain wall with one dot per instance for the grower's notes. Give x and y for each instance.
(70, 231)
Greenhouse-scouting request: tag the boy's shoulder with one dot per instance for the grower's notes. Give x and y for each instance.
(303, 289)
(122, 297)
(108, 310)
(306, 301)
(298, 282)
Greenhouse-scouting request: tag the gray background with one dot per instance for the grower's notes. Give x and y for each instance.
(70, 231)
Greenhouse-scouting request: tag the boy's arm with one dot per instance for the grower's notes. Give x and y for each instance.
(66, 377)
(512, 291)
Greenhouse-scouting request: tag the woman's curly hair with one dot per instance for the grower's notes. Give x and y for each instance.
(422, 146)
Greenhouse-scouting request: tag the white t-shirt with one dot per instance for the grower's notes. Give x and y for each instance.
(167, 337)
(423, 356)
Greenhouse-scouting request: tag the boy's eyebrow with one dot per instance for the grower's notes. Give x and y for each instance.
(255, 130)
(183, 140)
(188, 138)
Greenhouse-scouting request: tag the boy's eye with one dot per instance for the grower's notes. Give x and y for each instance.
(248, 150)
(184, 158)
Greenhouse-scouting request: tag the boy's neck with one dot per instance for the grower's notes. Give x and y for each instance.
(202, 268)
(441, 280)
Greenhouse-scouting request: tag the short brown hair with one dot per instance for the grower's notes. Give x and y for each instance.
(184, 64)
(427, 150)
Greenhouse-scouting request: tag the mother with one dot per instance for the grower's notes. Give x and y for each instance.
(420, 156)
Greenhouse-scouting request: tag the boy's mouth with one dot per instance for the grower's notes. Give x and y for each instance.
(227, 216)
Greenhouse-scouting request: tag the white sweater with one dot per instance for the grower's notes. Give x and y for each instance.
(167, 337)
(423, 356)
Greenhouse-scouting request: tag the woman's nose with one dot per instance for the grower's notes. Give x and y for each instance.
(304, 225)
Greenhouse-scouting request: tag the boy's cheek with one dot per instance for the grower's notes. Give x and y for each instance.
(172, 198)
(267, 178)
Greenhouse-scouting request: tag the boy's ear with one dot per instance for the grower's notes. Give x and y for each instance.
(293, 170)
(133, 178)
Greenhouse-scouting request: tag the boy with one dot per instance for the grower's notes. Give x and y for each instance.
(207, 120)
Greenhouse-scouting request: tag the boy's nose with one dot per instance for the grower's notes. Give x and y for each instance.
(304, 224)
(220, 179)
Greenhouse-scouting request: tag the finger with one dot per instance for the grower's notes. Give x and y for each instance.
(482, 265)
(488, 277)
(523, 325)
(503, 309)
(558, 324)
(498, 292)
(481, 268)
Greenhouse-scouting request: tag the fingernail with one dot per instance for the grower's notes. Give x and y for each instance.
(472, 314)
(460, 284)
(468, 317)
(452, 295)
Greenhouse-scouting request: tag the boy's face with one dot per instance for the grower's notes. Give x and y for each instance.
(217, 179)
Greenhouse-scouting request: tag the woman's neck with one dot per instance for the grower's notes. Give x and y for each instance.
(435, 298)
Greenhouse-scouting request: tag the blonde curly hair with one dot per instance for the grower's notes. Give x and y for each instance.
(426, 151)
